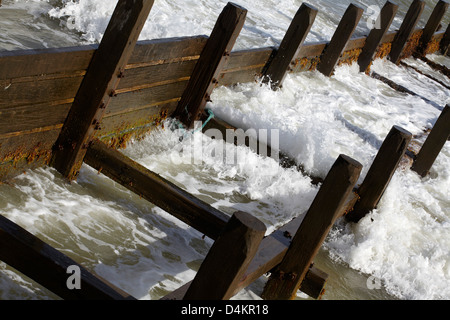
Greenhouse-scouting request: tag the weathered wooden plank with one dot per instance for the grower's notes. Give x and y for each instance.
(38, 91)
(406, 29)
(344, 31)
(380, 173)
(445, 42)
(433, 144)
(116, 130)
(244, 66)
(135, 100)
(212, 59)
(227, 259)
(49, 267)
(150, 76)
(101, 79)
(402, 63)
(298, 30)
(165, 50)
(285, 280)
(15, 121)
(26, 151)
(156, 189)
(26, 63)
(431, 27)
(376, 35)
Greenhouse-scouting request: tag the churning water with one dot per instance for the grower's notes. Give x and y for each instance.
(399, 251)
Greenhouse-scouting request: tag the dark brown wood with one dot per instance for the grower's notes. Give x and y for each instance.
(431, 27)
(212, 59)
(380, 173)
(244, 66)
(402, 63)
(433, 144)
(295, 36)
(138, 99)
(26, 63)
(48, 266)
(102, 77)
(376, 35)
(18, 120)
(436, 66)
(285, 280)
(166, 50)
(445, 42)
(263, 149)
(227, 259)
(39, 90)
(270, 253)
(406, 29)
(156, 189)
(335, 48)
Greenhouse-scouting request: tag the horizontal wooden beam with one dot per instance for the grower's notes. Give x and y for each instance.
(156, 189)
(49, 267)
(431, 27)
(212, 59)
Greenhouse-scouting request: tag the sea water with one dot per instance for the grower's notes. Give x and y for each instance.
(399, 251)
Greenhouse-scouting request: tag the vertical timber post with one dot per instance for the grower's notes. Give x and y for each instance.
(445, 42)
(344, 31)
(433, 144)
(290, 45)
(375, 36)
(325, 209)
(97, 88)
(406, 29)
(431, 27)
(228, 259)
(212, 60)
(380, 173)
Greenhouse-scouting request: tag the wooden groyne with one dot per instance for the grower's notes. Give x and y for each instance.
(67, 106)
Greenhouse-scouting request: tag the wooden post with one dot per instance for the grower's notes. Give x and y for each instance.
(212, 59)
(344, 31)
(431, 27)
(278, 65)
(156, 189)
(375, 36)
(406, 29)
(433, 144)
(325, 209)
(49, 267)
(443, 46)
(98, 85)
(380, 173)
(227, 259)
